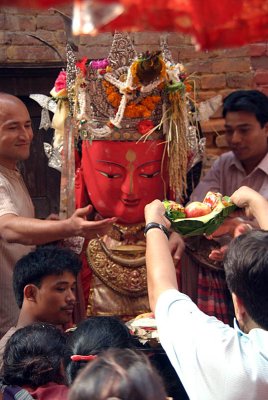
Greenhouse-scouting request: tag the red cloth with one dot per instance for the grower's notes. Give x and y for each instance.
(50, 391)
(213, 297)
(214, 24)
(226, 23)
(33, 3)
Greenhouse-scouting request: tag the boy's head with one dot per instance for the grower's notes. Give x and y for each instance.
(251, 101)
(246, 269)
(45, 279)
(118, 374)
(94, 335)
(246, 125)
(33, 356)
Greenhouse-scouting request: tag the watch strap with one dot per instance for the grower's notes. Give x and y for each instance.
(156, 225)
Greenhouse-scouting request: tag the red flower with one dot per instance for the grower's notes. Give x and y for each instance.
(145, 126)
(60, 81)
(82, 65)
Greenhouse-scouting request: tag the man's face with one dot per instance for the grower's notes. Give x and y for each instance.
(55, 299)
(245, 137)
(122, 177)
(15, 131)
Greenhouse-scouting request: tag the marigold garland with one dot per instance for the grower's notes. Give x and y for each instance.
(141, 109)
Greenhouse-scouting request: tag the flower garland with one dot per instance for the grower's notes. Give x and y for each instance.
(134, 67)
(140, 109)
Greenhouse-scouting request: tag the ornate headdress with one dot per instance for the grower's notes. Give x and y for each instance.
(130, 97)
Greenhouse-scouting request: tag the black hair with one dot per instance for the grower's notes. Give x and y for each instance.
(42, 262)
(251, 101)
(246, 269)
(33, 356)
(93, 336)
(119, 373)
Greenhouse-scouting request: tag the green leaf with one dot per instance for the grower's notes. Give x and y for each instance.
(202, 225)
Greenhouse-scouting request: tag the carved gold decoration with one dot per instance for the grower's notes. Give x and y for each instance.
(129, 280)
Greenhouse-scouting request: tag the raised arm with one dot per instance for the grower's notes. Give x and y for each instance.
(254, 204)
(161, 273)
(31, 231)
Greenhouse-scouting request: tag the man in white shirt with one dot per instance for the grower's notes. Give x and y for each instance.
(213, 360)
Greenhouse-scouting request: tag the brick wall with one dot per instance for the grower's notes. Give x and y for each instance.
(215, 72)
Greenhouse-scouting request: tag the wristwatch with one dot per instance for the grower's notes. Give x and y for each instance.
(156, 225)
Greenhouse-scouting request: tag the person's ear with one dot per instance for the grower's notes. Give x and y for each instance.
(30, 292)
(266, 129)
(240, 310)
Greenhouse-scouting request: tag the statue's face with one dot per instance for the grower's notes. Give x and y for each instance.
(122, 177)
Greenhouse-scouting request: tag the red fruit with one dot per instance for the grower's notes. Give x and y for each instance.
(197, 209)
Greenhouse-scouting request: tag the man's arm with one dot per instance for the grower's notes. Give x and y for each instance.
(253, 203)
(31, 231)
(161, 273)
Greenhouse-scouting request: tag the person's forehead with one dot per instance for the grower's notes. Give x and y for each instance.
(12, 110)
(125, 151)
(240, 118)
(55, 279)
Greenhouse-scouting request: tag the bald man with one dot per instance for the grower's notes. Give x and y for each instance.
(19, 230)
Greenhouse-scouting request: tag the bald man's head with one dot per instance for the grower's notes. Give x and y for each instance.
(15, 130)
(8, 100)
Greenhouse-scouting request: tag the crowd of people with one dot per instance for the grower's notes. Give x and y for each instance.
(43, 357)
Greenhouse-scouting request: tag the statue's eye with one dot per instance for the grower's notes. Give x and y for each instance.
(152, 175)
(110, 175)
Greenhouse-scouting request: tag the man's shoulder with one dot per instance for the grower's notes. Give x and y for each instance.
(227, 157)
(3, 343)
(5, 338)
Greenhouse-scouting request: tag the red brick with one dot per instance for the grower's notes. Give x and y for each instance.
(17, 38)
(178, 39)
(261, 77)
(102, 39)
(231, 65)
(46, 35)
(54, 22)
(2, 20)
(3, 54)
(31, 54)
(242, 51)
(4, 39)
(11, 23)
(20, 23)
(146, 38)
(190, 53)
(213, 81)
(197, 67)
(215, 125)
(259, 62)
(257, 49)
(205, 95)
(94, 52)
(60, 37)
(237, 80)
